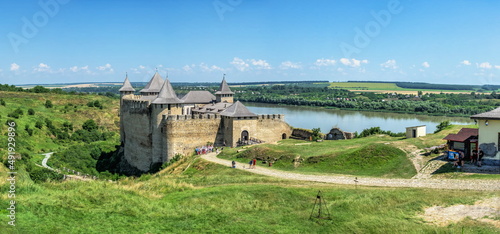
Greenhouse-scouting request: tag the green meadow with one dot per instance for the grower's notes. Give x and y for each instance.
(195, 196)
(205, 198)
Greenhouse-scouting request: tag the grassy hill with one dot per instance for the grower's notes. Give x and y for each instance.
(198, 197)
(194, 196)
(58, 127)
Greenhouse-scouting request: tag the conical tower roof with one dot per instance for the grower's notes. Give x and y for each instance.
(237, 110)
(154, 84)
(127, 87)
(224, 88)
(167, 95)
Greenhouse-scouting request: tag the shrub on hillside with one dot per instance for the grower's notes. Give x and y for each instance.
(41, 174)
(377, 130)
(16, 113)
(48, 104)
(442, 126)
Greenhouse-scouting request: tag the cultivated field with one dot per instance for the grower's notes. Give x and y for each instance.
(386, 88)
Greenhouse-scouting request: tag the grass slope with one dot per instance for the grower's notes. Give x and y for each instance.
(212, 198)
(369, 156)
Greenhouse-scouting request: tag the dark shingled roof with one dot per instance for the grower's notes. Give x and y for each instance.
(494, 114)
(463, 135)
(224, 88)
(212, 108)
(126, 86)
(154, 84)
(167, 95)
(198, 97)
(237, 110)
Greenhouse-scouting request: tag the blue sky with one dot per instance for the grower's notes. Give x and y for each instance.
(63, 41)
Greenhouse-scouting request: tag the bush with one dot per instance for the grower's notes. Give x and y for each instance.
(2, 102)
(48, 104)
(377, 130)
(39, 124)
(31, 112)
(316, 134)
(442, 126)
(16, 113)
(90, 125)
(28, 130)
(41, 174)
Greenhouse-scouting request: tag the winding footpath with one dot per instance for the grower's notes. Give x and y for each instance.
(471, 184)
(46, 159)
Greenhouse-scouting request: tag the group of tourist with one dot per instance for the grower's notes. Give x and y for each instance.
(204, 149)
(458, 158)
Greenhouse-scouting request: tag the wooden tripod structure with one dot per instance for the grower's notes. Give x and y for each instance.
(322, 210)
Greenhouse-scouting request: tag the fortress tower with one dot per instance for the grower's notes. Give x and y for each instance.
(157, 124)
(224, 94)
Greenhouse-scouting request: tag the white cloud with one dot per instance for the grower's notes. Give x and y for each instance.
(497, 66)
(345, 61)
(426, 64)
(206, 68)
(42, 67)
(188, 67)
(76, 69)
(240, 64)
(14, 67)
(260, 64)
(352, 62)
(391, 63)
(466, 63)
(290, 65)
(140, 67)
(325, 62)
(486, 65)
(106, 67)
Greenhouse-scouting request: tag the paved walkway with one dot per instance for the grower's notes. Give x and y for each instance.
(471, 184)
(46, 159)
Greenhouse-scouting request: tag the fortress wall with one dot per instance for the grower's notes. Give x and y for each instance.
(271, 129)
(136, 133)
(186, 132)
(158, 141)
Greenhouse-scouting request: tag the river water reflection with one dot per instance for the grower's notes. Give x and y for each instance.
(351, 121)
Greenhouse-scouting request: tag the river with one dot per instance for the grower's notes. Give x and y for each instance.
(351, 121)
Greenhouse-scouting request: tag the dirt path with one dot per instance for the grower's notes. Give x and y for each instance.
(472, 184)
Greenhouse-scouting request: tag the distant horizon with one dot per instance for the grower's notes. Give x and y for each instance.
(230, 82)
(445, 42)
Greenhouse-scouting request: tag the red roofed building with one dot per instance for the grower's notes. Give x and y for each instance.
(465, 140)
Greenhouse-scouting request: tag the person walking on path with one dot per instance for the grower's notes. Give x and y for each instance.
(250, 164)
(254, 163)
(480, 158)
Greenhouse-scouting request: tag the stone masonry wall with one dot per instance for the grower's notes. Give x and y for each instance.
(183, 133)
(271, 129)
(136, 133)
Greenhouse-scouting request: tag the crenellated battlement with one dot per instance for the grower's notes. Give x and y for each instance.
(272, 116)
(190, 117)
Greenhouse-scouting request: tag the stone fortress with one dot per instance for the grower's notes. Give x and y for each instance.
(157, 124)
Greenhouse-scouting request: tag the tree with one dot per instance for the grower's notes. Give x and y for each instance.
(316, 134)
(441, 126)
(39, 124)
(2, 102)
(90, 125)
(48, 104)
(31, 112)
